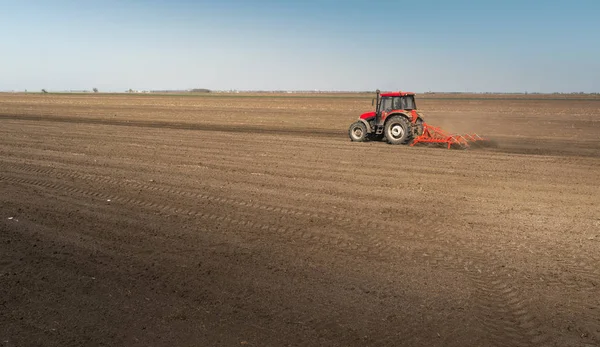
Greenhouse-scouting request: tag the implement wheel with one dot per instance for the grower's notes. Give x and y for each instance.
(397, 130)
(358, 132)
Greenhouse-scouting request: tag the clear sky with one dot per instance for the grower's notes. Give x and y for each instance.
(477, 46)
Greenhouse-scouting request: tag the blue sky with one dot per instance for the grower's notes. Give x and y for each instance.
(477, 46)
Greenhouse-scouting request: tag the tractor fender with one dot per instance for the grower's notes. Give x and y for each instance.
(369, 129)
(420, 116)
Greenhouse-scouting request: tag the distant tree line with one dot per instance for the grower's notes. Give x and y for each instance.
(165, 91)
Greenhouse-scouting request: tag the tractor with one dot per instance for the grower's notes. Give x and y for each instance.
(397, 120)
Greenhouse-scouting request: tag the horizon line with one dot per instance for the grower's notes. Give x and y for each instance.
(289, 91)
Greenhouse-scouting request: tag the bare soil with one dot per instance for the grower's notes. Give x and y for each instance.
(252, 220)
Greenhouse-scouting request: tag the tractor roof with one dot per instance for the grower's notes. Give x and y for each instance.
(399, 93)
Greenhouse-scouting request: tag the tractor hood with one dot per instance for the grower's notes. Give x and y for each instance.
(367, 115)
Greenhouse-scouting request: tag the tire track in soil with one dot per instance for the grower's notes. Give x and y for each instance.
(247, 129)
(299, 316)
(577, 266)
(251, 228)
(441, 258)
(495, 294)
(581, 270)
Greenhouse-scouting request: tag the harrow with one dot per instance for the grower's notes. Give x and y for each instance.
(435, 135)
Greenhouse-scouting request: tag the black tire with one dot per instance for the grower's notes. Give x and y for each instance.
(397, 130)
(358, 132)
(419, 128)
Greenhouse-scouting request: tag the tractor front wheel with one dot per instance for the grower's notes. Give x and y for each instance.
(358, 132)
(397, 130)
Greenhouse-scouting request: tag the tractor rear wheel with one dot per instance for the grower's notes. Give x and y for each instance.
(358, 132)
(419, 127)
(397, 130)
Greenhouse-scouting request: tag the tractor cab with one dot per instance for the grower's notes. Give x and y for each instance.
(396, 101)
(387, 104)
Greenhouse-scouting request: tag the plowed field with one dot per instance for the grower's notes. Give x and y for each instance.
(146, 220)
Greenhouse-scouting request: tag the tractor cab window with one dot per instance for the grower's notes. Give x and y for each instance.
(408, 102)
(386, 104)
(403, 103)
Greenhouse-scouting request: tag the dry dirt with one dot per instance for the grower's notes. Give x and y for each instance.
(244, 220)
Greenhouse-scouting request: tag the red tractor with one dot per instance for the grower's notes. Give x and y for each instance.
(397, 120)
